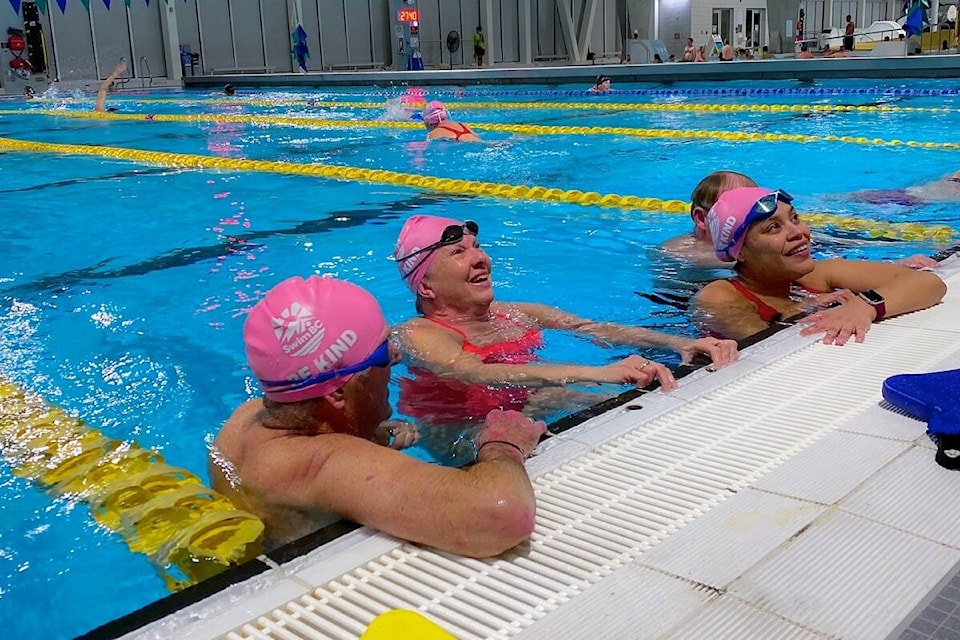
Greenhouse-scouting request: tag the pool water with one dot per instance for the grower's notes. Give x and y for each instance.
(124, 285)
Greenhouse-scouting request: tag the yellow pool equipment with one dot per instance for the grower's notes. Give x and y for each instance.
(188, 531)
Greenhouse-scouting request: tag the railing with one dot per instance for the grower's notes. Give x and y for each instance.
(144, 63)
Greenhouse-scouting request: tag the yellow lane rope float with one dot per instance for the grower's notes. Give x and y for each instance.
(589, 106)
(873, 228)
(188, 531)
(527, 129)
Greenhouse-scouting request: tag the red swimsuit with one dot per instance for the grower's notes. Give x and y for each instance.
(434, 399)
(462, 131)
(767, 313)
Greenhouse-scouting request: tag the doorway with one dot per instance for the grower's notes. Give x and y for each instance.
(755, 35)
(723, 24)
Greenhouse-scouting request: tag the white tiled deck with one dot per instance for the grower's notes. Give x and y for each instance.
(776, 498)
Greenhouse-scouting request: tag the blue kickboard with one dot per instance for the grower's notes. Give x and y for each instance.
(932, 397)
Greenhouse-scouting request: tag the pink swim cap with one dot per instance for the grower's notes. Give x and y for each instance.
(435, 113)
(733, 213)
(303, 328)
(419, 232)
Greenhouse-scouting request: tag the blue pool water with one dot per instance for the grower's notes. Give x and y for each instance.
(122, 300)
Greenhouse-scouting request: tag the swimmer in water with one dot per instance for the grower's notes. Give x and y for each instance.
(107, 86)
(440, 127)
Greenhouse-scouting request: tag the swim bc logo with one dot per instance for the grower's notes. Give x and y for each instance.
(298, 330)
(408, 264)
(722, 233)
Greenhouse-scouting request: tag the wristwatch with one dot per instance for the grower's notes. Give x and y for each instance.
(876, 301)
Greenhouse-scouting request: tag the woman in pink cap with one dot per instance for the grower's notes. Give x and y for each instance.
(697, 248)
(777, 277)
(441, 127)
(472, 354)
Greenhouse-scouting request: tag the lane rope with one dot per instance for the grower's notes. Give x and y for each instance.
(189, 532)
(740, 91)
(523, 129)
(592, 106)
(873, 228)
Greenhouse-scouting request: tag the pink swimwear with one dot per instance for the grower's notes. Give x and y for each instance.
(434, 399)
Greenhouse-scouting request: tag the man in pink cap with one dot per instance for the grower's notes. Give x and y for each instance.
(472, 354)
(303, 456)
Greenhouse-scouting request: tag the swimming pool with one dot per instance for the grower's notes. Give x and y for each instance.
(125, 283)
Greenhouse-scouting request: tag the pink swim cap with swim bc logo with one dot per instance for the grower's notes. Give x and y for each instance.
(419, 232)
(733, 213)
(303, 328)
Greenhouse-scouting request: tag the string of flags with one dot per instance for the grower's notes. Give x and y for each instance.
(62, 4)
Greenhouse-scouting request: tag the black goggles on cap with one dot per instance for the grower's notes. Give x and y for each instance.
(451, 235)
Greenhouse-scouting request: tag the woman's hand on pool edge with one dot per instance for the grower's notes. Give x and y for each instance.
(638, 371)
(839, 324)
(721, 352)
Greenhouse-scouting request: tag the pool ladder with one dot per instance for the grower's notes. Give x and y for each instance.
(144, 63)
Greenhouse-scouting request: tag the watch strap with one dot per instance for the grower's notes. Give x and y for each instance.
(880, 306)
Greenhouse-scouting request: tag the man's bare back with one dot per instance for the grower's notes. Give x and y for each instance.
(264, 457)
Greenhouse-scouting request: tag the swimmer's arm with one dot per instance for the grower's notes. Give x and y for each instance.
(441, 352)
(101, 105)
(720, 307)
(904, 290)
(553, 318)
(721, 352)
(480, 511)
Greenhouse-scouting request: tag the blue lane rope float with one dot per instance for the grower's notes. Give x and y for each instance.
(524, 129)
(742, 91)
(553, 106)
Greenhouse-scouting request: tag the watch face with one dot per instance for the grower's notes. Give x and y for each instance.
(872, 296)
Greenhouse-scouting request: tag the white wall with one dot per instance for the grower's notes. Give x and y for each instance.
(701, 19)
(84, 45)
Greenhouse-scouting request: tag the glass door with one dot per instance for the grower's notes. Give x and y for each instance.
(755, 35)
(723, 25)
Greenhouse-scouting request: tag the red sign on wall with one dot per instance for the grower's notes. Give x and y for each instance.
(408, 15)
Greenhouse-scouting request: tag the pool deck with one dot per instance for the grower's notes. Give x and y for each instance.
(925, 66)
(780, 497)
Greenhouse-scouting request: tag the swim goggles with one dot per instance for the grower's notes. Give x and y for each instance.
(761, 210)
(451, 235)
(381, 357)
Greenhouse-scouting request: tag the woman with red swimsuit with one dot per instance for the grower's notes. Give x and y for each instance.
(777, 277)
(471, 354)
(440, 127)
